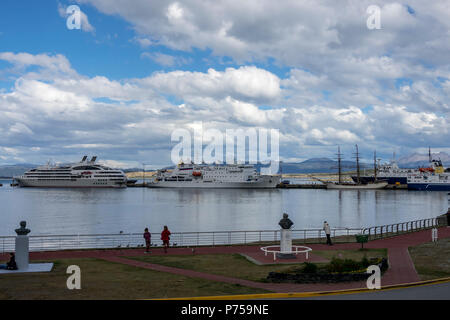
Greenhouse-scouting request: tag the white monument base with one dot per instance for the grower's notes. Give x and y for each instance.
(286, 245)
(22, 252)
(32, 267)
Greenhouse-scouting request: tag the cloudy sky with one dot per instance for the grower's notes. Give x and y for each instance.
(137, 70)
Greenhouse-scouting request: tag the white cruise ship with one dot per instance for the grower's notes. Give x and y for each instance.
(213, 176)
(84, 174)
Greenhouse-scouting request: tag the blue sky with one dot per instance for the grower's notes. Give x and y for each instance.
(313, 71)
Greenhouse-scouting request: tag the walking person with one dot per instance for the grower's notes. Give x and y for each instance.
(147, 237)
(165, 237)
(326, 228)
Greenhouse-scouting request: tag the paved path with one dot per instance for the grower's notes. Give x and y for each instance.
(401, 267)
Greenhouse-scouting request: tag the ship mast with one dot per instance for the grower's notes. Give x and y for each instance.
(339, 164)
(358, 176)
(375, 166)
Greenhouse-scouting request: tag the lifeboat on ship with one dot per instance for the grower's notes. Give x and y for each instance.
(426, 169)
(197, 173)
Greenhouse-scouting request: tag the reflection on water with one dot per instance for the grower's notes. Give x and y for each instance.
(72, 211)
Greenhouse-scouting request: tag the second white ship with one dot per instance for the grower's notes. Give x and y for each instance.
(214, 176)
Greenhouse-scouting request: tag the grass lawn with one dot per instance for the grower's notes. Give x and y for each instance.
(432, 260)
(237, 266)
(106, 280)
(231, 265)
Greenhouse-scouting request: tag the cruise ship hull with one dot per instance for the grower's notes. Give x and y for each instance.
(429, 186)
(266, 184)
(79, 183)
(390, 180)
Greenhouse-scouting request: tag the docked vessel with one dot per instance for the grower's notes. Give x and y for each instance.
(391, 172)
(213, 176)
(429, 182)
(359, 184)
(84, 174)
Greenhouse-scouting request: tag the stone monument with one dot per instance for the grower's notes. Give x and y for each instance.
(22, 246)
(286, 238)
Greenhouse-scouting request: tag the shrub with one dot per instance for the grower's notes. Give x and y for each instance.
(309, 268)
(365, 262)
(347, 265)
(335, 265)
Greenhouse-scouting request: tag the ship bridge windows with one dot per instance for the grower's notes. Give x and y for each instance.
(86, 168)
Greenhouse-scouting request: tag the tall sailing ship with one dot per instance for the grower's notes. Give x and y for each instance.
(214, 176)
(83, 174)
(358, 183)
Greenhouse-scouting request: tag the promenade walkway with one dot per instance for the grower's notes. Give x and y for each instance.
(401, 268)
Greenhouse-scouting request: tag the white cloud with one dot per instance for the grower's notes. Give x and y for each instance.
(68, 116)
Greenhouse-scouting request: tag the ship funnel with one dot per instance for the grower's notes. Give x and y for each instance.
(94, 158)
(84, 159)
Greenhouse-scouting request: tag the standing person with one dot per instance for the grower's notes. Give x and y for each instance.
(165, 237)
(147, 237)
(326, 228)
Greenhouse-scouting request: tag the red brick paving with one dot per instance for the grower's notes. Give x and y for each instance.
(401, 267)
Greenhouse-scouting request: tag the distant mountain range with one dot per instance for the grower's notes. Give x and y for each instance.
(416, 160)
(14, 170)
(314, 165)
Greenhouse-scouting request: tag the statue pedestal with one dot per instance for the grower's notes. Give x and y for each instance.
(22, 252)
(286, 245)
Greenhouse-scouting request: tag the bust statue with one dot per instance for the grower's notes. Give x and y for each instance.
(22, 231)
(285, 223)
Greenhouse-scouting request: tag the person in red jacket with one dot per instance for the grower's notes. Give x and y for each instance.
(165, 237)
(147, 237)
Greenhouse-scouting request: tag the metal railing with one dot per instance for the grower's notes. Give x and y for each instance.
(181, 239)
(213, 238)
(394, 229)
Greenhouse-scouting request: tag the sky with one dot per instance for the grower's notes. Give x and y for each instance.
(135, 71)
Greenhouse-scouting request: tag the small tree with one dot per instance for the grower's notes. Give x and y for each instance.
(362, 238)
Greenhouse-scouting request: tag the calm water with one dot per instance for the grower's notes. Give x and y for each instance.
(64, 211)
